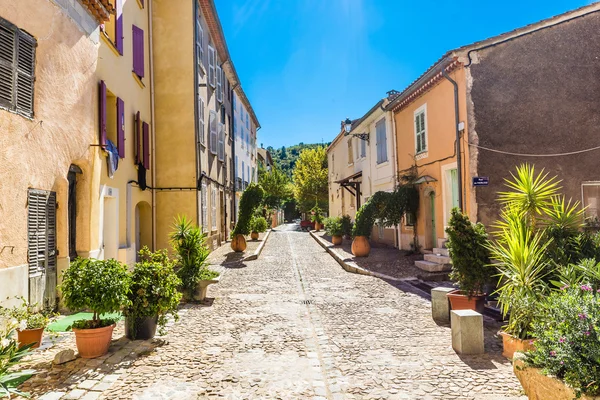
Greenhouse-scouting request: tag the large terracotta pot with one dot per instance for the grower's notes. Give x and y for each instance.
(254, 236)
(513, 344)
(361, 246)
(29, 336)
(317, 226)
(459, 301)
(238, 244)
(92, 343)
(336, 240)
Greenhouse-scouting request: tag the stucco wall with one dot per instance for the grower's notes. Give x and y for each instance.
(538, 94)
(341, 202)
(37, 153)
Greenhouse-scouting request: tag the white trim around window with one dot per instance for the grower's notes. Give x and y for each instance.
(420, 129)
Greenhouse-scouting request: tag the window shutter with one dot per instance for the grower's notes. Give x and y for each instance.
(121, 127)
(41, 231)
(201, 121)
(200, 42)
(138, 51)
(211, 66)
(7, 52)
(213, 132)
(221, 142)
(137, 154)
(219, 84)
(146, 138)
(25, 74)
(102, 116)
(119, 26)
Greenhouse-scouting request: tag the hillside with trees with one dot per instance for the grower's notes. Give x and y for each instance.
(285, 157)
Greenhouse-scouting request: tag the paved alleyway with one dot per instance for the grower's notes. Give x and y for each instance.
(357, 338)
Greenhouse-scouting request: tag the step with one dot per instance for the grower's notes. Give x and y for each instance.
(437, 259)
(441, 251)
(432, 266)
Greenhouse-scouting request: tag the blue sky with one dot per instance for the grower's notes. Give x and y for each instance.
(308, 64)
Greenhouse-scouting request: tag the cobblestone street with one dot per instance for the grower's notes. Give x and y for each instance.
(295, 325)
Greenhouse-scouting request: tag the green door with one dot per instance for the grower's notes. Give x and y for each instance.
(454, 186)
(433, 229)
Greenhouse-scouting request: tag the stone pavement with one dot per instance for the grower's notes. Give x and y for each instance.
(295, 325)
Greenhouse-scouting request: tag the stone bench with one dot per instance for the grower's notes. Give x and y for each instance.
(440, 306)
(467, 331)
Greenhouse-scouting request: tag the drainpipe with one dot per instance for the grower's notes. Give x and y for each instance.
(234, 209)
(198, 179)
(458, 155)
(395, 169)
(152, 124)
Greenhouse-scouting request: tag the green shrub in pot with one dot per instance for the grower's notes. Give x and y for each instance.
(154, 294)
(258, 225)
(333, 226)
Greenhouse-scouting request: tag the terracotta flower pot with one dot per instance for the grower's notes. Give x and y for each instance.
(92, 343)
(29, 336)
(238, 244)
(336, 240)
(317, 226)
(459, 301)
(513, 344)
(361, 246)
(254, 236)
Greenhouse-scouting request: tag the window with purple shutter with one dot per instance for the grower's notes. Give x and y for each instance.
(102, 116)
(137, 154)
(121, 127)
(119, 26)
(138, 51)
(146, 136)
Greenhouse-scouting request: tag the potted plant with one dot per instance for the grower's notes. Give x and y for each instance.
(316, 217)
(153, 294)
(31, 323)
(363, 226)
(467, 244)
(189, 243)
(251, 198)
(101, 286)
(347, 224)
(333, 228)
(10, 355)
(258, 225)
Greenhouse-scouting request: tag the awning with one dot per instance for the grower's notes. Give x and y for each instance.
(352, 186)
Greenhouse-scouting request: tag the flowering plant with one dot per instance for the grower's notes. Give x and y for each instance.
(10, 355)
(28, 318)
(568, 338)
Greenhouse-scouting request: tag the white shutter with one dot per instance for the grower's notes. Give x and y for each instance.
(200, 43)
(219, 84)
(204, 201)
(213, 203)
(201, 121)
(221, 139)
(211, 66)
(213, 132)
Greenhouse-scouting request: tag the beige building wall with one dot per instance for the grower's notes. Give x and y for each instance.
(341, 165)
(37, 152)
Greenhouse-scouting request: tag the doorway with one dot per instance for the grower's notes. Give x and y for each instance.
(72, 210)
(143, 226)
(430, 223)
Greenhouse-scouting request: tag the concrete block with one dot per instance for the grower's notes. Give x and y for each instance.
(440, 306)
(467, 331)
(432, 267)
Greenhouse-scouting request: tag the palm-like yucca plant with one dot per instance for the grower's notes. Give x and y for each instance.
(531, 193)
(519, 252)
(564, 214)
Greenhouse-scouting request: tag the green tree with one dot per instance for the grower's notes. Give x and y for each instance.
(310, 178)
(277, 187)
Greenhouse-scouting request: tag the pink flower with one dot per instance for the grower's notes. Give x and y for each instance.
(586, 288)
(582, 316)
(552, 353)
(587, 333)
(561, 340)
(564, 287)
(562, 362)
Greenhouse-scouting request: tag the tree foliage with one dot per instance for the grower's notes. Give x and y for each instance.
(250, 200)
(286, 157)
(277, 186)
(310, 178)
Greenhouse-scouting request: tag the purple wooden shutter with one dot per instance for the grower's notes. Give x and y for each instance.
(146, 155)
(138, 51)
(102, 116)
(119, 27)
(121, 127)
(137, 138)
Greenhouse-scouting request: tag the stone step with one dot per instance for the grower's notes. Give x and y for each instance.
(441, 251)
(437, 259)
(432, 266)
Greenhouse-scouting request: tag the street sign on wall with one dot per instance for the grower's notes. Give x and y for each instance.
(481, 181)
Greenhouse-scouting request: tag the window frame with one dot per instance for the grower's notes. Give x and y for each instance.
(583, 202)
(201, 121)
(382, 150)
(212, 122)
(204, 206)
(213, 205)
(212, 57)
(422, 110)
(200, 43)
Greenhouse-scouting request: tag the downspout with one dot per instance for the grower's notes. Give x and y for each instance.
(152, 123)
(198, 171)
(234, 209)
(457, 150)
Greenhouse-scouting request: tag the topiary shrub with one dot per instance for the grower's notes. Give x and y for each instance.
(251, 198)
(347, 225)
(316, 215)
(259, 225)
(467, 244)
(333, 226)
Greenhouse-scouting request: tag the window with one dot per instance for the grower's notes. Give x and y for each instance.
(243, 171)
(350, 152)
(204, 205)
(113, 28)
(211, 66)
(199, 44)
(363, 148)
(221, 143)
(17, 69)
(381, 138)
(332, 163)
(201, 121)
(213, 131)
(409, 219)
(213, 205)
(112, 120)
(219, 84)
(591, 202)
(138, 51)
(421, 130)
(381, 231)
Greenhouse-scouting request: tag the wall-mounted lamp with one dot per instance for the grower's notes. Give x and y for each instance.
(348, 128)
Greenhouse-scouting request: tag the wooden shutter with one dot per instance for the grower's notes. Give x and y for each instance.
(41, 231)
(138, 51)
(7, 54)
(200, 43)
(146, 135)
(221, 139)
(211, 66)
(213, 132)
(119, 26)
(102, 116)
(201, 121)
(121, 127)
(219, 84)
(25, 74)
(137, 154)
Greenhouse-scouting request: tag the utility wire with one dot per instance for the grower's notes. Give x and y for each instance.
(534, 155)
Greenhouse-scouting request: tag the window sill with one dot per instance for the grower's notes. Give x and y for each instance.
(111, 45)
(422, 155)
(138, 80)
(383, 164)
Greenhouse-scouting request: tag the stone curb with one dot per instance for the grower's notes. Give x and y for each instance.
(257, 252)
(350, 265)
